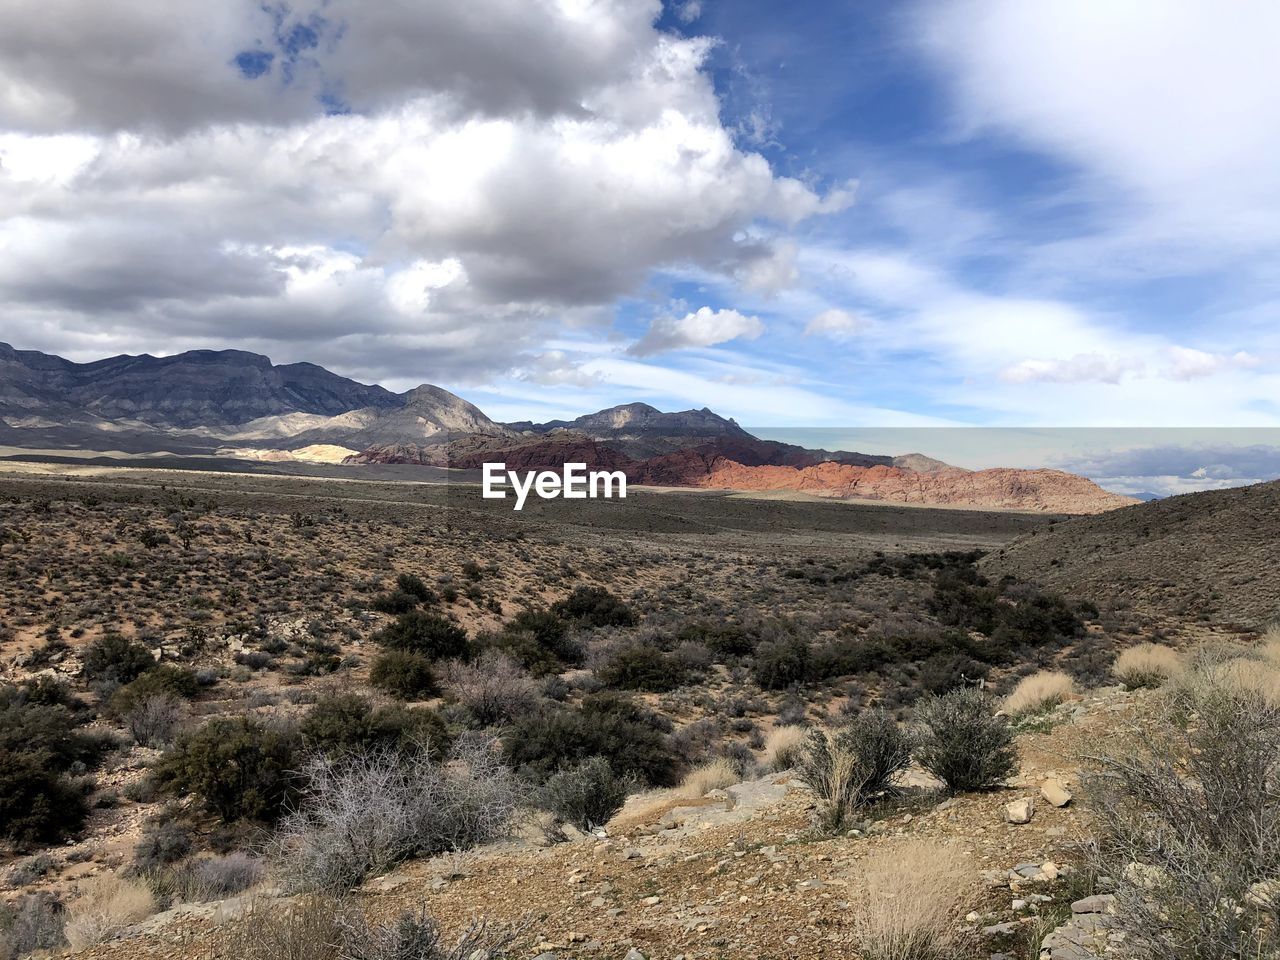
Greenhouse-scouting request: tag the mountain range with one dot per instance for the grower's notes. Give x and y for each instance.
(235, 404)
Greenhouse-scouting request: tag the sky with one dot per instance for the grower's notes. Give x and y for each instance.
(825, 213)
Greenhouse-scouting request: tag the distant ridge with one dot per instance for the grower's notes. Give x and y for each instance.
(233, 404)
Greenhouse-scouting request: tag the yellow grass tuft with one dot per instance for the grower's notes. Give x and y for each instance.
(1148, 665)
(908, 898)
(1040, 691)
(700, 781)
(107, 906)
(783, 746)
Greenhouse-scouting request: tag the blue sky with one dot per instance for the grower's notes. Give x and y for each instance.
(823, 214)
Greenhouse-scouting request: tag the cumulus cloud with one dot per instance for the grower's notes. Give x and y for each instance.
(446, 184)
(705, 328)
(835, 324)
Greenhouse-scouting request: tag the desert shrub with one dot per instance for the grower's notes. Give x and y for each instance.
(238, 767)
(403, 674)
(429, 634)
(52, 733)
(1188, 809)
(630, 738)
(322, 928)
(539, 639)
(586, 795)
(725, 640)
(114, 658)
(595, 607)
(372, 809)
(784, 747)
(1147, 665)
(45, 691)
(1039, 692)
(396, 602)
(908, 900)
(855, 765)
(944, 672)
(493, 688)
(307, 929)
(38, 804)
(781, 663)
(219, 877)
(164, 841)
(641, 667)
(417, 588)
(155, 720)
(31, 925)
(164, 680)
(108, 904)
(344, 722)
(963, 742)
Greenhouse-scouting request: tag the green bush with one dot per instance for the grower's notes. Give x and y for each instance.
(347, 722)
(37, 803)
(962, 741)
(586, 795)
(642, 667)
(403, 674)
(595, 607)
(539, 640)
(115, 659)
(51, 734)
(630, 738)
(429, 634)
(780, 663)
(238, 767)
(164, 680)
(415, 587)
(395, 602)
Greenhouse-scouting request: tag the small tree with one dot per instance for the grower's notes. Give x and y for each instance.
(963, 743)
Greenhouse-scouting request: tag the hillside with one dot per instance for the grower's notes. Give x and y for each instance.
(1210, 556)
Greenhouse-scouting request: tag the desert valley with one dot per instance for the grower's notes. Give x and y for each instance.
(256, 706)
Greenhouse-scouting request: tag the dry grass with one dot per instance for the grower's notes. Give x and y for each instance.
(715, 775)
(1148, 665)
(907, 900)
(1038, 692)
(107, 906)
(1234, 669)
(783, 748)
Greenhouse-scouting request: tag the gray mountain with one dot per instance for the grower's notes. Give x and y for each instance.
(199, 388)
(640, 430)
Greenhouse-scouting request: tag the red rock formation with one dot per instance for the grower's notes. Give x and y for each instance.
(1052, 491)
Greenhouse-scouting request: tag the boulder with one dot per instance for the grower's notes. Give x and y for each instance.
(1055, 792)
(1020, 811)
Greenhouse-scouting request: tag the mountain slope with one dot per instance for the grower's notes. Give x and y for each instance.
(199, 388)
(1212, 555)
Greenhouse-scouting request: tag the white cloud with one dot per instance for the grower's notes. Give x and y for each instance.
(703, 328)
(508, 168)
(1169, 106)
(836, 324)
(1082, 368)
(1188, 364)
